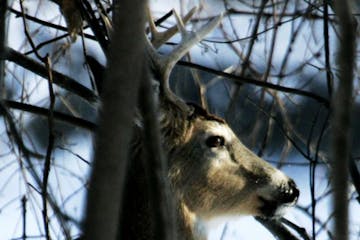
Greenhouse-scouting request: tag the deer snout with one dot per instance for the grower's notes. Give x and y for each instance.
(289, 193)
(274, 200)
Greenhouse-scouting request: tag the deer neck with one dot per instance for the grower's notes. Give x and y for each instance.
(189, 225)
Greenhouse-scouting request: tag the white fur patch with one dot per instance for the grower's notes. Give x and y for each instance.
(219, 129)
(278, 177)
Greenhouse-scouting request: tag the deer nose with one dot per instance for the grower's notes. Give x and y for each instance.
(289, 193)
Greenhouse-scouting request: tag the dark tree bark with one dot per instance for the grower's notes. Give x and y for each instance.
(342, 105)
(3, 6)
(116, 117)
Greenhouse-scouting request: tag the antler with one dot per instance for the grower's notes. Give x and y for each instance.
(159, 38)
(165, 63)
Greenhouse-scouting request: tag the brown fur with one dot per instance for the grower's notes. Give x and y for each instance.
(203, 186)
(207, 178)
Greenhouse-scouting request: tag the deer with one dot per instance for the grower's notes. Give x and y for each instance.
(211, 172)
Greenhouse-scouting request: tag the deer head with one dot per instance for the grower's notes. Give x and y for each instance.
(211, 171)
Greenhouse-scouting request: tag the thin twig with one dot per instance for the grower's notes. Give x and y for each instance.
(27, 154)
(27, 34)
(355, 176)
(312, 167)
(99, 31)
(76, 121)
(23, 206)
(283, 130)
(48, 24)
(246, 60)
(14, 133)
(329, 75)
(258, 83)
(51, 139)
(298, 13)
(47, 42)
(300, 230)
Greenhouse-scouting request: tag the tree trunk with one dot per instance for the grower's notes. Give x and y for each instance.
(116, 118)
(342, 104)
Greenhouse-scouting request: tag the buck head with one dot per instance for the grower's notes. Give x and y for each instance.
(211, 171)
(215, 174)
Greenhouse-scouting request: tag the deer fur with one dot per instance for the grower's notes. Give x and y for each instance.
(210, 171)
(206, 182)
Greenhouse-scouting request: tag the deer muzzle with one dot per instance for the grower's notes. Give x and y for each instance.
(273, 204)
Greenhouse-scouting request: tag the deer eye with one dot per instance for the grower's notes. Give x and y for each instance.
(215, 141)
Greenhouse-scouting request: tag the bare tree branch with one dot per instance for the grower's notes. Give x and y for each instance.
(59, 78)
(76, 121)
(301, 231)
(329, 75)
(94, 24)
(47, 23)
(51, 141)
(23, 206)
(27, 154)
(15, 135)
(355, 176)
(256, 82)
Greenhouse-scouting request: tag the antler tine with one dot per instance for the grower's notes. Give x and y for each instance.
(159, 38)
(188, 40)
(165, 64)
(180, 24)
